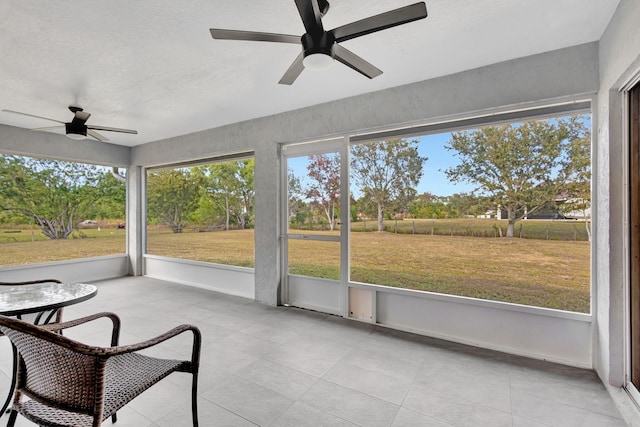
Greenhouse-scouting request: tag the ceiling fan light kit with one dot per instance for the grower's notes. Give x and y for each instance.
(75, 134)
(318, 54)
(317, 61)
(320, 47)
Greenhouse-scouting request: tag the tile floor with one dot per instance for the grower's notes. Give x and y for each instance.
(279, 367)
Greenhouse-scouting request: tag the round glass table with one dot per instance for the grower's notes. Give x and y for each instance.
(26, 299)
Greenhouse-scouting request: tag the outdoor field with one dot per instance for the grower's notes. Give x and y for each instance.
(551, 273)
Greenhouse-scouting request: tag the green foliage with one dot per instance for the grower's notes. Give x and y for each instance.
(577, 169)
(172, 196)
(228, 193)
(387, 172)
(51, 193)
(112, 201)
(521, 167)
(459, 205)
(324, 187)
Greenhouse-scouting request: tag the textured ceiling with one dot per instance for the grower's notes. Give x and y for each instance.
(153, 66)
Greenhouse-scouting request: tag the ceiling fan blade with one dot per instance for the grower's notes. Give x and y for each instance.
(81, 117)
(293, 72)
(311, 16)
(379, 22)
(48, 128)
(32, 115)
(253, 36)
(97, 127)
(353, 61)
(97, 136)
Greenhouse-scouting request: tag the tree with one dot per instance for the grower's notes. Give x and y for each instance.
(113, 198)
(172, 196)
(468, 204)
(426, 205)
(230, 185)
(295, 204)
(246, 190)
(387, 172)
(577, 170)
(324, 188)
(54, 194)
(521, 167)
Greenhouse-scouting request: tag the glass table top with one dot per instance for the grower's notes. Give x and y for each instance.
(30, 298)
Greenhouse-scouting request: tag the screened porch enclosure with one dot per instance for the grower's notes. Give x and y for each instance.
(592, 349)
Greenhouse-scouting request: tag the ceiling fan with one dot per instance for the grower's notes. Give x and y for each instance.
(320, 47)
(77, 128)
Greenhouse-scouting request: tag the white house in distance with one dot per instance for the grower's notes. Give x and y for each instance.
(154, 67)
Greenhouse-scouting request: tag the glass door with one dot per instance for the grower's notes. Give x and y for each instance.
(315, 224)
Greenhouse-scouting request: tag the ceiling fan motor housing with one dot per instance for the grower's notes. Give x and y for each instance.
(76, 129)
(318, 45)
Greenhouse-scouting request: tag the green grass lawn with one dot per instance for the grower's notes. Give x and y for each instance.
(545, 273)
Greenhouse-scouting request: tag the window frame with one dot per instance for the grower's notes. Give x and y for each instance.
(536, 111)
(107, 166)
(242, 155)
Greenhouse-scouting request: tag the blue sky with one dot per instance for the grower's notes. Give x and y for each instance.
(434, 179)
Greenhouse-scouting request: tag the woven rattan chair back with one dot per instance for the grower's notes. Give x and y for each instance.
(39, 318)
(73, 384)
(53, 373)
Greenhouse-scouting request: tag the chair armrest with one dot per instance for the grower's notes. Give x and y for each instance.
(195, 353)
(115, 332)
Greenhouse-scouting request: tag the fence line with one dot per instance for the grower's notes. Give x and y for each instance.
(530, 229)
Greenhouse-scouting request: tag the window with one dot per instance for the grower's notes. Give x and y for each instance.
(500, 212)
(313, 204)
(54, 210)
(203, 212)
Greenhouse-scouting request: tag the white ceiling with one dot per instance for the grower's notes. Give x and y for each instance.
(152, 65)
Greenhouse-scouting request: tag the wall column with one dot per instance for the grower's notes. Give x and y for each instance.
(135, 219)
(267, 229)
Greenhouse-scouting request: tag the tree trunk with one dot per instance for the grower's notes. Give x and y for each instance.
(176, 224)
(380, 217)
(511, 217)
(226, 222)
(587, 226)
(55, 229)
(328, 211)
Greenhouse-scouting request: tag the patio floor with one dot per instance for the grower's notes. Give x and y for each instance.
(282, 366)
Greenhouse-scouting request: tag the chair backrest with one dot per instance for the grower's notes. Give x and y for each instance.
(51, 369)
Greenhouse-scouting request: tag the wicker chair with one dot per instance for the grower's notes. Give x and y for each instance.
(42, 317)
(72, 384)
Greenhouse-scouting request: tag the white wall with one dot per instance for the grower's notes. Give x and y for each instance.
(619, 55)
(238, 281)
(552, 335)
(20, 141)
(70, 271)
